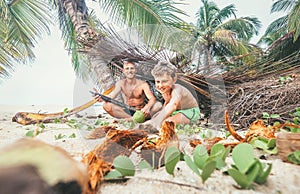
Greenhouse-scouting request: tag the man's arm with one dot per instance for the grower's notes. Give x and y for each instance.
(113, 94)
(116, 91)
(149, 95)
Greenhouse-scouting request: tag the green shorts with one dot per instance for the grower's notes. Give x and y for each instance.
(192, 113)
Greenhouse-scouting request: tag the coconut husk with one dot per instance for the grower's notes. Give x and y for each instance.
(287, 143)
(207, 143)
(153, 152)
(100, 132)
(122, 142)
(41, 163)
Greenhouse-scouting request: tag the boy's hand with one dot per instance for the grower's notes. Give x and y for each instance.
(148, 127)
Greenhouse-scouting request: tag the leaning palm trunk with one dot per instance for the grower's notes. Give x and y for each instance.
(77, 12)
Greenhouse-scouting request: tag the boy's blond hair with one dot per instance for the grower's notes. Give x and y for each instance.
(162, 68)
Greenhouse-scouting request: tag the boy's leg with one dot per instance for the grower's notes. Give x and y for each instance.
(178, 118)
(155, 108)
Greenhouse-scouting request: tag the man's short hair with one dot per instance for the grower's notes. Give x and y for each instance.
(164, 67)
(128, 60)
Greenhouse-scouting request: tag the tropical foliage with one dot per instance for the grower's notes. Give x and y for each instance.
(282, 35)
(218, 36)
(22, 24)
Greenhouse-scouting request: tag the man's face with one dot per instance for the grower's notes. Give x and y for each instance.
(129, 70)
(164, 83)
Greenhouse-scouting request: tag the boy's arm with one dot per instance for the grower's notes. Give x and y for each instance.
(166, 111)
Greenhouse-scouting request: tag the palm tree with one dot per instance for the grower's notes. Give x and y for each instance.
(221, 36)
(90, 41)
(22, 24)
(289, 22)
(282, 35)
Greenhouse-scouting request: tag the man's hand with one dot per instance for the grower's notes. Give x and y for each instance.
(146, 112)
(97, 97)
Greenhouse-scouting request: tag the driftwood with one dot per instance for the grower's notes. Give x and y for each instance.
(27, 118)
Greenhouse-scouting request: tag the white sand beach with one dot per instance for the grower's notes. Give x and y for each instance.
(284, 177)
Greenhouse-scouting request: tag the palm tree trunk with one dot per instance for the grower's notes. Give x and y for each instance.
(77, 11)
(207, 58)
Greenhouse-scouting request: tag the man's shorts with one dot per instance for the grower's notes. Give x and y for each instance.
(128, 111)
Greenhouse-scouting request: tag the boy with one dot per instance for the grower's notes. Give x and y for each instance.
(180, 105)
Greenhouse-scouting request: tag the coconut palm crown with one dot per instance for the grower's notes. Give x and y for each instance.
(221, 35)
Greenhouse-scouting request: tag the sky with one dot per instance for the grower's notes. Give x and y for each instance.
(50, 80)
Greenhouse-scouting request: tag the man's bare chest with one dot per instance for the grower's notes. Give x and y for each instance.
(133, 91)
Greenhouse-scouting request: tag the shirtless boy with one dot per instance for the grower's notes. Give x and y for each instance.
(180, 105)
(134, 92)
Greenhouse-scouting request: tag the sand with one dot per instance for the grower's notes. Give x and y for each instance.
(284, 177)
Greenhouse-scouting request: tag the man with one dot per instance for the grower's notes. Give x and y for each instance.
(134, 92)
(180, 105)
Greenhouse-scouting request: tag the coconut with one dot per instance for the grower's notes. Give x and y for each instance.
(138, 116)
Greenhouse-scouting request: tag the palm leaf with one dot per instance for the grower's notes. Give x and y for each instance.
(22, 24)
(151, 18)
(282, 5)
(277, 25)
(138, 13)
(225, 13)
(245, 27)
(293, 21)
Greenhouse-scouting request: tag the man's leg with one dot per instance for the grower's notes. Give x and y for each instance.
(115, 111)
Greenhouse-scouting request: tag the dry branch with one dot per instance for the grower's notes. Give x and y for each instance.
(248, 101)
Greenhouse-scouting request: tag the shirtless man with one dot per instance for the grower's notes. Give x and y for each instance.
(180, 105)
(134, 92)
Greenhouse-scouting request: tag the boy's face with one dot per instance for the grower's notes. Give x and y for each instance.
(129, 70)
(164, 83)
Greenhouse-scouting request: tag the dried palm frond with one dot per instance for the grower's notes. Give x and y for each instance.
(99, 161)
(256, 129)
